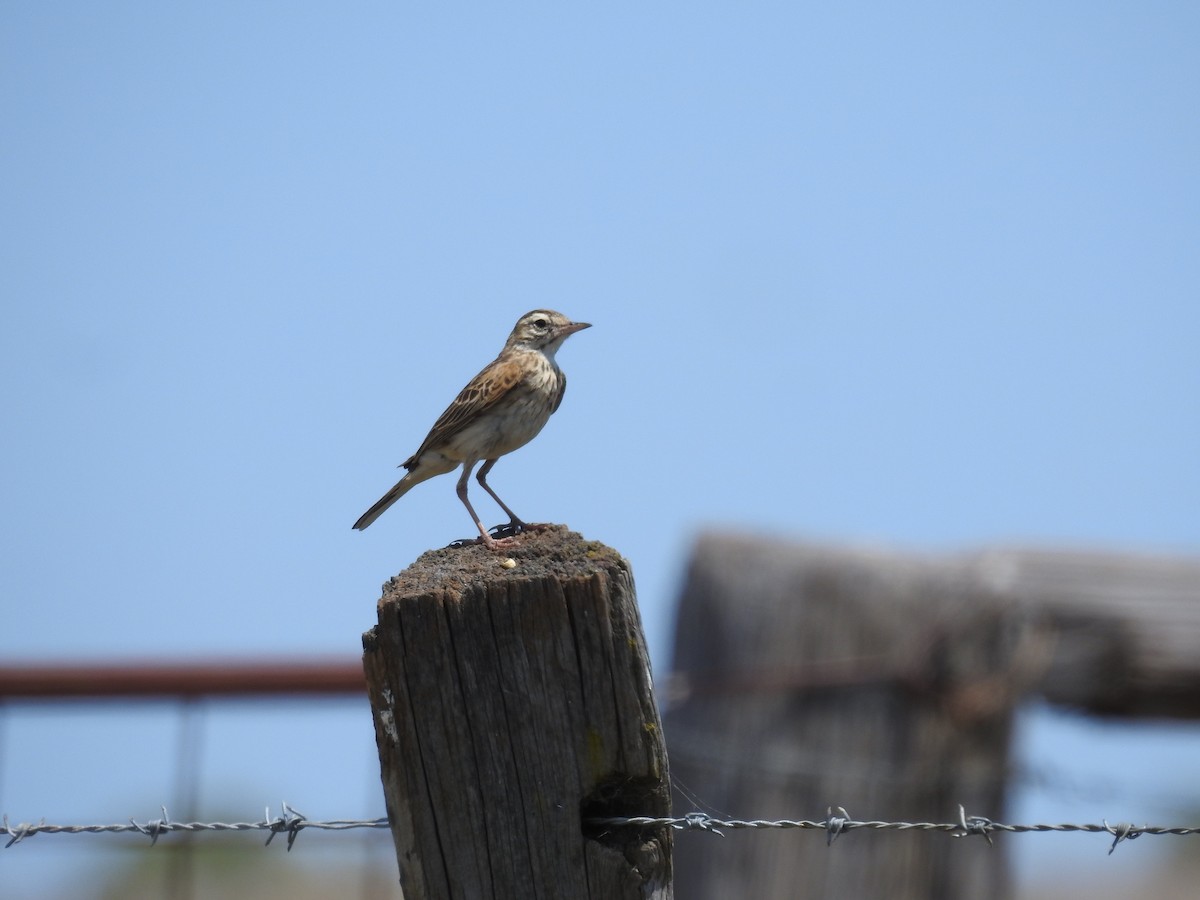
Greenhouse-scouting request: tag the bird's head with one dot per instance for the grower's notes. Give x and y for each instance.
(543, 329)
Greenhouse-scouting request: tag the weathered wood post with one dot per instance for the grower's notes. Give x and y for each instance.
(810, 677)
(513, 702)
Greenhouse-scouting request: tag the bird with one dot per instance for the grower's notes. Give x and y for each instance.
(500, 410)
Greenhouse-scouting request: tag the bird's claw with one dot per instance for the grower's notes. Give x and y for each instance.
(508, 529)
(499, 535)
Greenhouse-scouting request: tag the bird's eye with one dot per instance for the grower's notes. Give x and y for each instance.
(540, 323)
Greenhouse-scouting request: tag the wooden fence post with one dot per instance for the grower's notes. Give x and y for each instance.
(808, 678)
(811, 676)
(511, 704)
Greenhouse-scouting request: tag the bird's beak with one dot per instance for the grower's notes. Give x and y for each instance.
(574, 327)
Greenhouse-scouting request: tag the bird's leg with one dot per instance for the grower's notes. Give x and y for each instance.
(461, 489)
(515, 525)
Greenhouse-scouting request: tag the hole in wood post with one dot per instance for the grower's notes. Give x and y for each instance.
(618, 796)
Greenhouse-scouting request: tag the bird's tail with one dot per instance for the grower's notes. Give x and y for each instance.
(401, 488)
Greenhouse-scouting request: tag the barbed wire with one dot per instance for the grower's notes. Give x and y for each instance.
(836, 825)
(291, 823)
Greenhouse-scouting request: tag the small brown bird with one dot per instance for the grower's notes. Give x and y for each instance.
(501, 409)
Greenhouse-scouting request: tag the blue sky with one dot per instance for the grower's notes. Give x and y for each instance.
(923, 276)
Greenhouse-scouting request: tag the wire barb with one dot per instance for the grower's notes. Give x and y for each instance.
(24, 830)
(698, 821)
(974, 825)
(155, 828)
(1122, 831)
(835, 826)
(291, 822)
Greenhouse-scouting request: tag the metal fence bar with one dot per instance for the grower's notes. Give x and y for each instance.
(150, 679)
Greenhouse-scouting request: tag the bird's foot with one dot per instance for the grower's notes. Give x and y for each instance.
(515, 527)
(518, 527)
(499, 543)
(501, 536)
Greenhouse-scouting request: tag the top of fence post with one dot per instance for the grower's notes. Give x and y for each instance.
(513, 703)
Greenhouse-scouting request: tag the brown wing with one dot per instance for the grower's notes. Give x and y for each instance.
(483, 392)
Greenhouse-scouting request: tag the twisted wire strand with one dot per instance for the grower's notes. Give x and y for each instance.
(290, 823)
(836, 823)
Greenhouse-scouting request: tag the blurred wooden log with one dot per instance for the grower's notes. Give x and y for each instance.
(1125, 626)
(511, 705)
(812, 677)
(808, 676)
